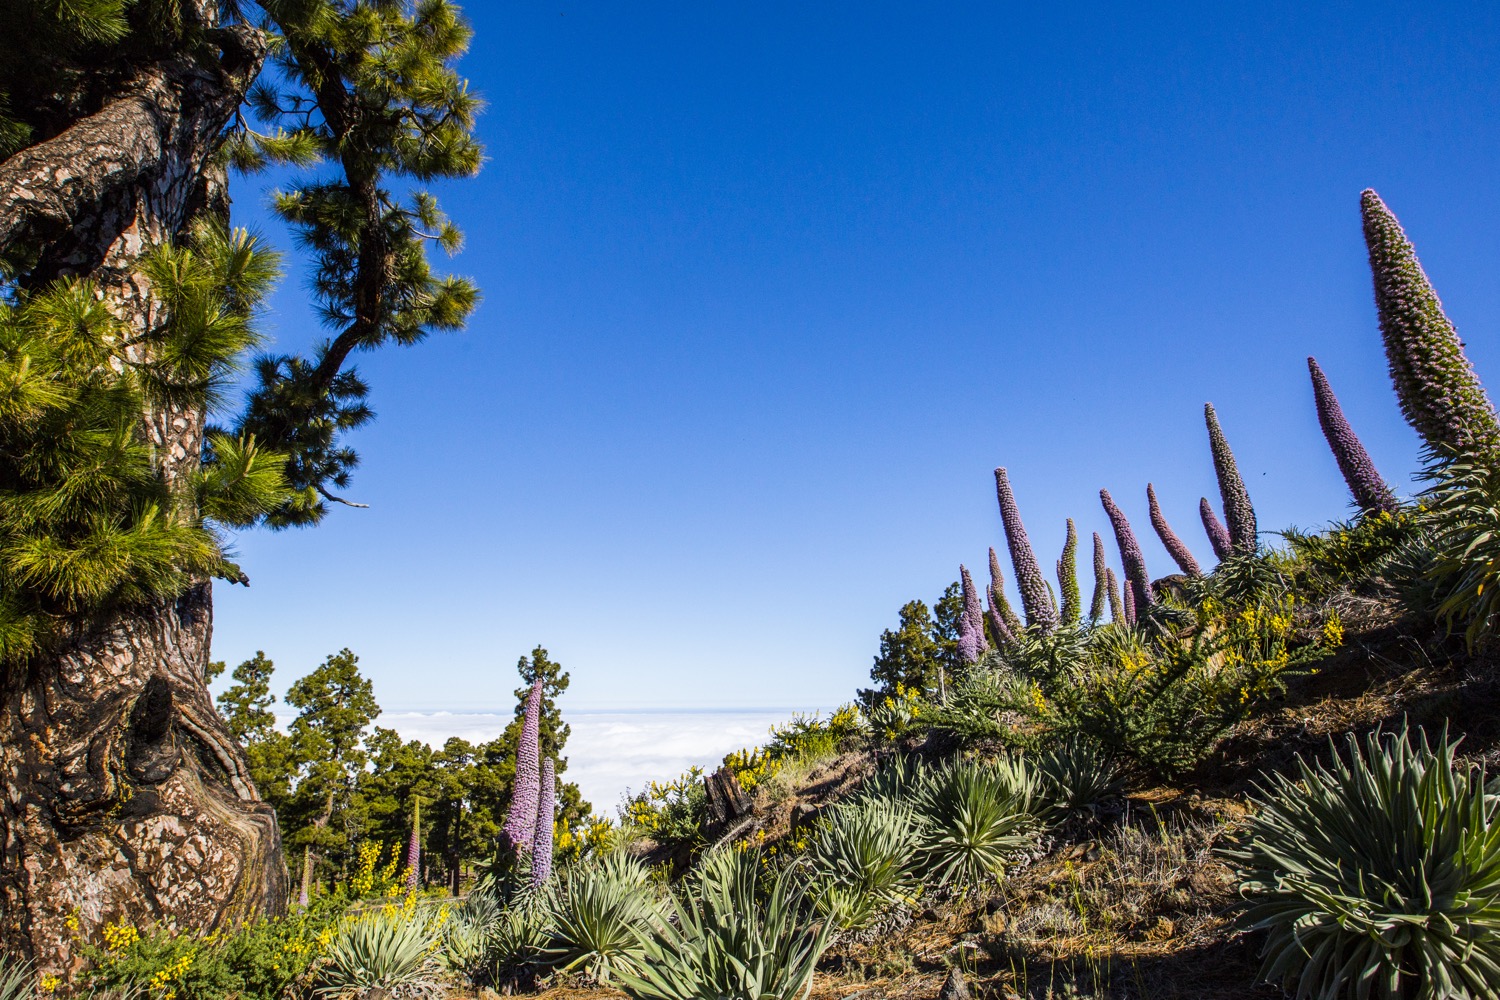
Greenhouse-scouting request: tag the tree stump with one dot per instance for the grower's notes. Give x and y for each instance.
(727, 801)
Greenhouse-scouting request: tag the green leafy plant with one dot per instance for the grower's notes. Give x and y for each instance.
(729, 941)
(1076, 776)
(17, 979)
(1377, 875)
(601, 915)
(467, 933)
(973, 817)
(1463, 514)
(1358, 554)
(392, 947)
(860, 859)
(898, 714)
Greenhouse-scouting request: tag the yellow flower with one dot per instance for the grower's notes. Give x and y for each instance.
(1333, 630)
(50, 981)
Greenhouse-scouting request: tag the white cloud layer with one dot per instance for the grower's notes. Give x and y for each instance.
(612, 752)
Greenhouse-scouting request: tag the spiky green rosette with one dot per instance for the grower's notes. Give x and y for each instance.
(1218, 535)
(1101, 585)
(1116, 605)
(1376, 874)
(998, 599)
(1439, 393)
(1067, 578)
(971, 641)
(1369, 490)
(520, 822)
(1138, 595)
(1175, 546)
(1035, 599)
(541, 837)
(1238, 513)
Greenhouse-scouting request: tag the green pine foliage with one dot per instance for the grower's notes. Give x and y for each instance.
(89, 522)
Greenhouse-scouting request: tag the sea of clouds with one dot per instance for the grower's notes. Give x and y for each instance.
(613, 753)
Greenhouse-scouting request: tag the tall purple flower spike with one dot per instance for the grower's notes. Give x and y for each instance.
(1138, 593)
(971, 641)
(1439, 393)
(1174, 545)
(1067, 578)
(1035, 600)
(1369, 490)
(414, 848)
(1239, 515)
(1129, 605)
(1004, 637)
(1101, 583)
(1218, 535)
(1116, 606)
(997, 597)
(520, 822)
(541, 844)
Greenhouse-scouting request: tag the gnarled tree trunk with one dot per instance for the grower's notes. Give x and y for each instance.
(125, 798)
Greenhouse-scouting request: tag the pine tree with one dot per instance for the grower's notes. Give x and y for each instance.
(1369, 490)
(1175, 546)
(1035, 600)
(1238, 512)
(1439, 393)
(336, 706)
(117, 120)
(246, 708)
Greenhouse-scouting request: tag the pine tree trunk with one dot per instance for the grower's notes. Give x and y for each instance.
(125, 797)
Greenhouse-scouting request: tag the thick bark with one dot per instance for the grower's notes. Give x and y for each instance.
(126, 799)
(125, 796)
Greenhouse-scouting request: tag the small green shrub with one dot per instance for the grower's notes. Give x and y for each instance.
(258, 961)
(466, 935)
(973, 816)
(1463, 516)
(1355, 554)
(671, 811)
(1076, 776)
(730, 942)
(984, 705)
(861, 859)
(898, 715)
(519, 938)
(601, 915)
(391, 946)
(1378, 875)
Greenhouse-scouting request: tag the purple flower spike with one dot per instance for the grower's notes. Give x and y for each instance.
(1067, 578)
(1116, 606)
(1439, 393)
(1138, 595)
(1175, 546)
(305, 891)
(414, 849)
(997, 597)
(1370, 491)
(1238, 513)
(541, 842)
(971, 641)
(1101, 582)
(1218, 535)
(1004, 637)
(520, 822)
(1035, 600)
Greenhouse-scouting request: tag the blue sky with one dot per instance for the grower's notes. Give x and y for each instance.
(770, 289)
